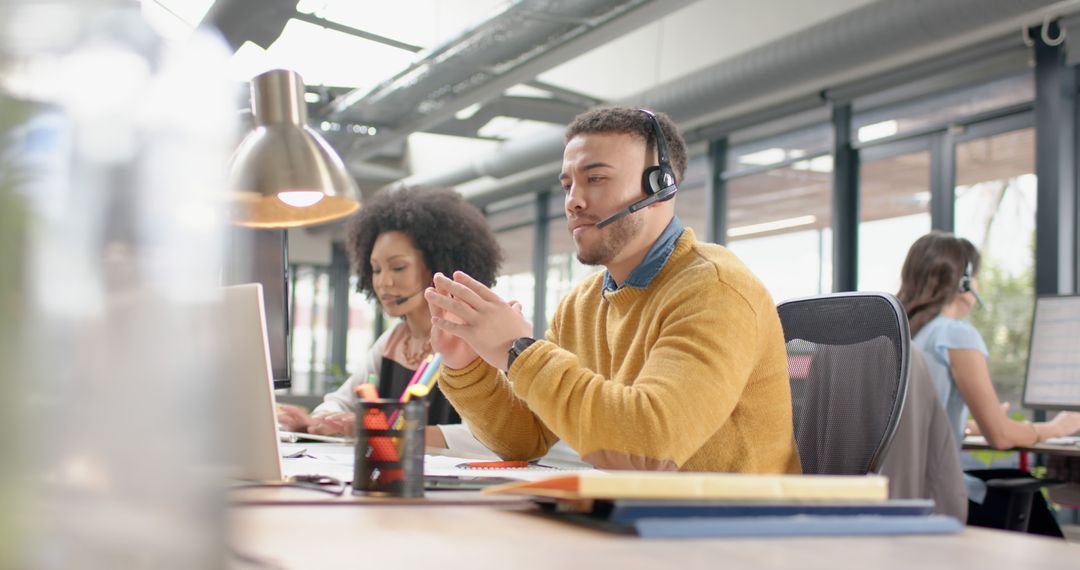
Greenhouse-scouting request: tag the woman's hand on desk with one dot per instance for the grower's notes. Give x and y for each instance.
(292, 418)
(340, 423)
(1064, 424)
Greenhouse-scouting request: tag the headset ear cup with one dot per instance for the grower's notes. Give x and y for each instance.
(650, 180)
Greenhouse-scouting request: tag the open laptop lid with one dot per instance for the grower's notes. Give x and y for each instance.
(250, 395)
(1052, 381)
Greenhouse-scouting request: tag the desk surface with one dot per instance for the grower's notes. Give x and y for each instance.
(480, 537)
(978, 442)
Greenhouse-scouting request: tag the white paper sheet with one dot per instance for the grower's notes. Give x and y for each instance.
(331, 459)
(336, 460)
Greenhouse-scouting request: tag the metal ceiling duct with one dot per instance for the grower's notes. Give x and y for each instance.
(882, 31)
(476, 56)
(526, 39)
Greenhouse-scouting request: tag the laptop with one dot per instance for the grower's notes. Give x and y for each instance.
(250, 405)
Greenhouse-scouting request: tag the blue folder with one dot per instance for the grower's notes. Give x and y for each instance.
(628, 511)
(798, 525)
(700, 519)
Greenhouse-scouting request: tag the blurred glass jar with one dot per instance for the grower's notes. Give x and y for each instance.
(119, 169)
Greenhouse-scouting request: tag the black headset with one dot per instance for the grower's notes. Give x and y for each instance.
(965, 283)
(658, 182)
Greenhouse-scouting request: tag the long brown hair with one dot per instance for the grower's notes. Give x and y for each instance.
(931, 275)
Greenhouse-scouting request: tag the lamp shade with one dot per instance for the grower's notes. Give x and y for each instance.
(284, 174)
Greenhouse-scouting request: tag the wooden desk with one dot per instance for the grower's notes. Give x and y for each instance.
(287, 496)
(482, 537)
(1067, 495)
(978, 442)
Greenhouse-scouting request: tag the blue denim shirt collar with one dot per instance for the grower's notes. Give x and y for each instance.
(654, 261)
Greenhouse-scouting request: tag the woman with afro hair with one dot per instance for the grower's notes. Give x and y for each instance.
(396, 243)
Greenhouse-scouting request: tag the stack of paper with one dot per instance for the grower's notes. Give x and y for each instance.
(665, 485)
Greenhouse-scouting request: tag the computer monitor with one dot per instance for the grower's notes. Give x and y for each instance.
(261, 256)
(1053, 371)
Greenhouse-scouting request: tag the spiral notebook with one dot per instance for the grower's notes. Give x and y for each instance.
(447, 466)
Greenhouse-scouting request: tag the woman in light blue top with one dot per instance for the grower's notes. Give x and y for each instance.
(939, 287)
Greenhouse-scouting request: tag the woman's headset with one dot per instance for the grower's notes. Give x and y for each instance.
(965, 283)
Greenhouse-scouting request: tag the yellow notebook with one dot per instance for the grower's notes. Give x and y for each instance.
(712, 486)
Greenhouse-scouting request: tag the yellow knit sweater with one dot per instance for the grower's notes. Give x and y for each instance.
(688, 374)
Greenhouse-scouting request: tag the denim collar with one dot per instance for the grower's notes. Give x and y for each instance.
(654, 261)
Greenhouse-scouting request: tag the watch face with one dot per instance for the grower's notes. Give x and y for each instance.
(521, 344)
(516, 348)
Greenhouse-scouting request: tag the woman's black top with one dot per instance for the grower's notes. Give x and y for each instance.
(393, 377)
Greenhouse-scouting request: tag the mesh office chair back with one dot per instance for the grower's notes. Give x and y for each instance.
(848, 367)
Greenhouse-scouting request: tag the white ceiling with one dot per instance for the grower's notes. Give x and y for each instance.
(701, 34)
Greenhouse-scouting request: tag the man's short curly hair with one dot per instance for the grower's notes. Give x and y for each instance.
(631, 121)
(451, 233)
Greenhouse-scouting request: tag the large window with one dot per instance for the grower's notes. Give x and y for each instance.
(564, 270)
(779, 225)
(995, 209)
(895, 132)
(894, 198)
(516, 281)
(779, 214)
(361, 334)
(513, 221)
(692, 208)
(931, 112)
(765, 151)
(310, 329)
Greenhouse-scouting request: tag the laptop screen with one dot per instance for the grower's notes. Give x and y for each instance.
(1053, 371)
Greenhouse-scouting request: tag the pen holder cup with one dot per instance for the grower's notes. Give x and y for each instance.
(390, 457)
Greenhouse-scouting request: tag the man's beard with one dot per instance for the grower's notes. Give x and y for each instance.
(619, 233)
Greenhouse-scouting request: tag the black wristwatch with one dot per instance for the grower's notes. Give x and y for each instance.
(516, 348)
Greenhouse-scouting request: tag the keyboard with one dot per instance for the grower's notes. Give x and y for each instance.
(1068, 440)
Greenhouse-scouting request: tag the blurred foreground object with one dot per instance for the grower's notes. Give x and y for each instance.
(12, 267)
(122, 174)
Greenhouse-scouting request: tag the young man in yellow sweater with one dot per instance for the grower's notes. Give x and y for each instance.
(672, 359)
